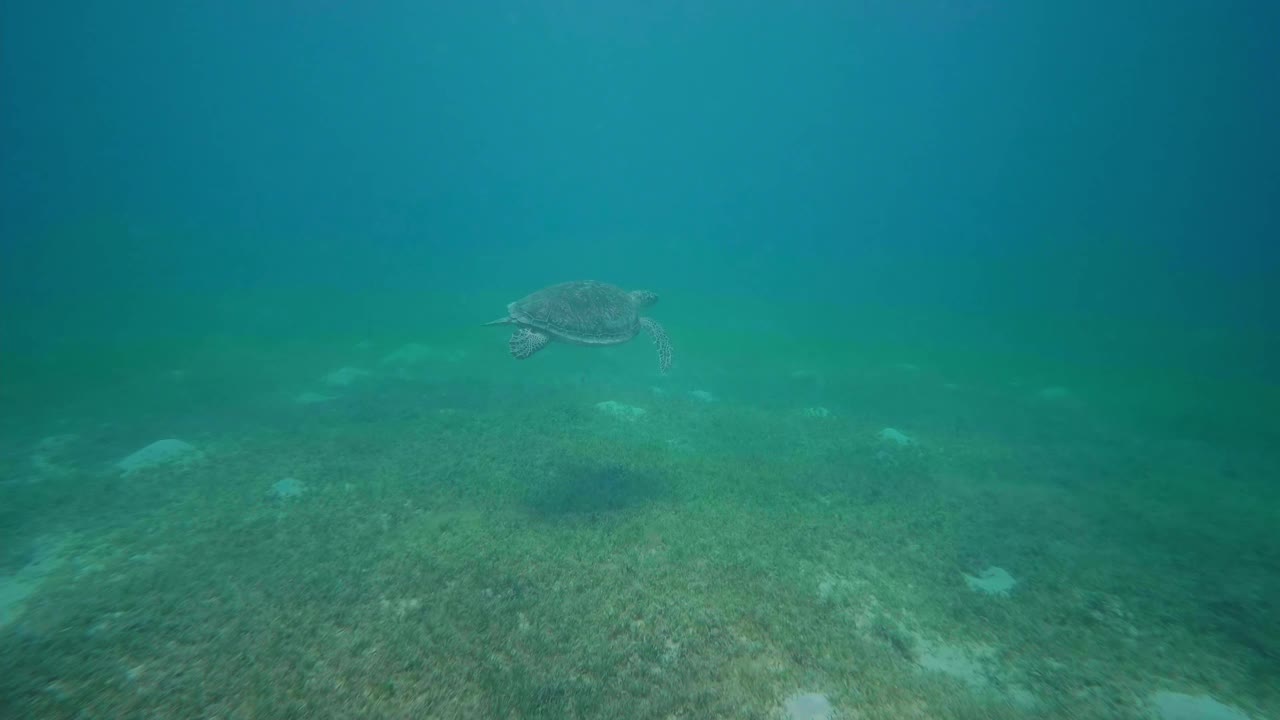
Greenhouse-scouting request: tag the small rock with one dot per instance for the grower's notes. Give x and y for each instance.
(992, 581)
(816, 412)
(895, 437)
(703, 396)
(620, 411)
(160, 452)
(286, 488)
(345, 376)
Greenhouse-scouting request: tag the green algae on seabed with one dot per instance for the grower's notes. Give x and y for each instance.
(455, 556)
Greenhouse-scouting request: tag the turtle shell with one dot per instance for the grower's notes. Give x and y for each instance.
(584, 312)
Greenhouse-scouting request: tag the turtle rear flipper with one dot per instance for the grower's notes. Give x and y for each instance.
(525, 342)
(660, 340)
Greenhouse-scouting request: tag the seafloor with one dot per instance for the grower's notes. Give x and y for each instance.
(460, 535)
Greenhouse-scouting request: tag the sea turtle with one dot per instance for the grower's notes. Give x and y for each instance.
(584, 312)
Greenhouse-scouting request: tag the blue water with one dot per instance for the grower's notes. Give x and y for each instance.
(1038, 238)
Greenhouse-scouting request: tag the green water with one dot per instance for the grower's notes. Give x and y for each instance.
(974, 405)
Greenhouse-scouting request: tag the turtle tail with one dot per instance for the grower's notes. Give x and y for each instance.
(499, 321)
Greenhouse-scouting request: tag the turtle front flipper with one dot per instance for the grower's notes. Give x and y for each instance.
(525, 342)
(661, 340)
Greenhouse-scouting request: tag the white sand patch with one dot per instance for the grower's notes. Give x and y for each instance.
(413, 354)
(1059, 396)
(892, 436)
(992, 581)
(977, 668)
(620, 411)
(811, 378)
(1053, 393)
(170, 451)
(286, 489)
(344, 376)
(807, 706)
(45, 461)
(17, 587)
(702, 396)
(969, 665)
(311, 398)
(1178, 706)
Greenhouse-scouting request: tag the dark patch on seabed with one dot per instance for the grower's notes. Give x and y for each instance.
(587, 489)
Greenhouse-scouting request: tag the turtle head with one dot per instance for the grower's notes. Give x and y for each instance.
(644, 298)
